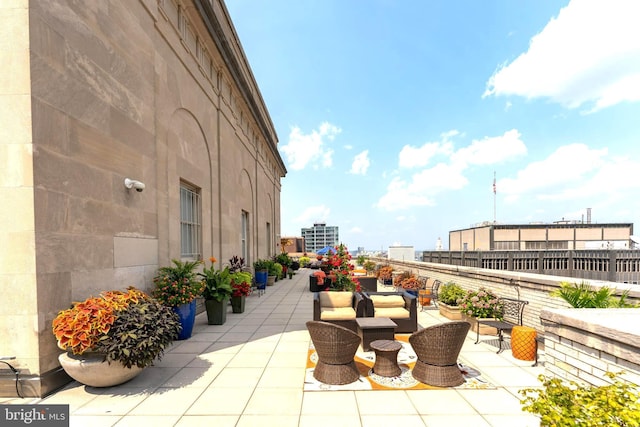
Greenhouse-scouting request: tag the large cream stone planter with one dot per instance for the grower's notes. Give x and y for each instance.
(484, 329)
(94, 371)
(451, 312)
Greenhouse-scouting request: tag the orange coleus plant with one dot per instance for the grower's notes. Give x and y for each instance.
(79, 328)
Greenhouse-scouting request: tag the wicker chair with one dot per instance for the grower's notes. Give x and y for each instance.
(437, 348)
(336, 347)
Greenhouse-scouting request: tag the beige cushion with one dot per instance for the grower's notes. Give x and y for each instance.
(340, 313)
(392, 313)
(387, 301)
(336, 299)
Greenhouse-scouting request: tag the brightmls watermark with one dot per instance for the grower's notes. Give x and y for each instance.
(34, 415)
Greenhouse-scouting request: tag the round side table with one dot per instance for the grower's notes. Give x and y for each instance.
(386, 364)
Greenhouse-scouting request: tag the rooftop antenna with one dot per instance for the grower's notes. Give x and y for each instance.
(494, 197)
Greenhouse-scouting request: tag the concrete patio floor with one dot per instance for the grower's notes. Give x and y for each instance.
(250, 372)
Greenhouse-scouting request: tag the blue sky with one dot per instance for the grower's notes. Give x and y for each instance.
(393, 116)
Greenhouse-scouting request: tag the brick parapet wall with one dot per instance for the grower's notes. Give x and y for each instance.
(534, 288)
(582, 344)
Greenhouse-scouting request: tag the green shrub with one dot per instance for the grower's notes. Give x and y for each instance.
(582, 295)
(304, 260)
(450, 293)
(562, 404)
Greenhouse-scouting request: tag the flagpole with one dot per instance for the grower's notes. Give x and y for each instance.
(494, 197)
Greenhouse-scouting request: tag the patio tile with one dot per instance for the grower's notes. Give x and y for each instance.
(498, 401)
(511, 376)
(139, 421)
(168, 401)
(430, 402)
(455, 420)
(221, 401)
(203, 420)
(268, 421)
(283, 377)
(112, 404)
(317, 420)
(174, 360)
(329, 403)
(238, 377)
(194, 377)
(384, 402)
(513, 420)
(392, 420)
(250, 360)
(275, 401)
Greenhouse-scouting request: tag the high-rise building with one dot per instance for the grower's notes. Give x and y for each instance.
(319, 236)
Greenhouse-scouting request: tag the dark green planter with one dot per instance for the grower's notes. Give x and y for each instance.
(237, 304)
(216, 311)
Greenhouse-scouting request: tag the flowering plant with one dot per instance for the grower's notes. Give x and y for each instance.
(342, 269)
(384, 272)
(129, 327)
(410, 282)
(216, 282)
(240, 284)
(177, 284)
(482, 303)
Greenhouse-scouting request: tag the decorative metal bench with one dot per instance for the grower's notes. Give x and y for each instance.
(512, 310)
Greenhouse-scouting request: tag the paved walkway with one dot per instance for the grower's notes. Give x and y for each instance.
(250, 372)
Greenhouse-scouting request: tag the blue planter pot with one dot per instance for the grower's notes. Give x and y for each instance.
(261, 278)
(187, 315)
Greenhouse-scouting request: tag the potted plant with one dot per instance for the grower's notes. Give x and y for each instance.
(241, 288)
(285, 261)
(483, 304)
(111, 338)
(369, 267)
(275, 269)
(261, 272)
(408, 282)
(236, 263)
(342, 271)
(216, 292)
(449, 295)
(304, 261)
(384, 274)
(177, 286)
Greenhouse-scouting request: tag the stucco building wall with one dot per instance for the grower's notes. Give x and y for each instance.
(154, 90)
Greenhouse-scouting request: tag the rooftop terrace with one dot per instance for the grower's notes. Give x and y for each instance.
(251, 370)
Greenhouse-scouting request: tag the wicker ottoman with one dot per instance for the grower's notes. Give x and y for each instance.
(375, 328)
(386, 364)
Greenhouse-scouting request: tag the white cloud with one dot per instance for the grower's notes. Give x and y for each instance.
(313, 214)
(411, 157)
(304, 149)
(360, 163)
(566, 169)
(491, 150)
(356, 230)
(589, 54)
(421, 188)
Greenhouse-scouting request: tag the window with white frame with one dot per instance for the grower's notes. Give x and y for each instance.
(244, 236)
(268, 238)
(190, 222)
